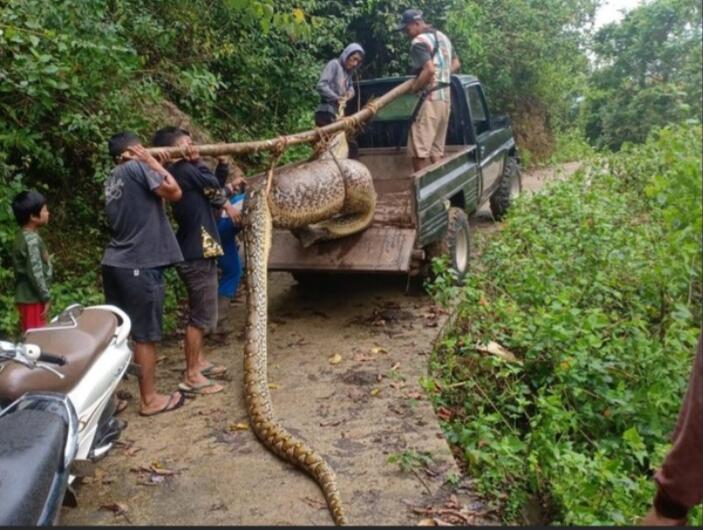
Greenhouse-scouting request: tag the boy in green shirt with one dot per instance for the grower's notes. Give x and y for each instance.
(32, 265)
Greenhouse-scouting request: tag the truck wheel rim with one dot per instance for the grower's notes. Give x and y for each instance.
(461, 252)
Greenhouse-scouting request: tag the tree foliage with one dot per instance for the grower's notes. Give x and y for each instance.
(648, 73)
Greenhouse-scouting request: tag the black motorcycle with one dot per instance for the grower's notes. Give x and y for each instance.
(38, 443)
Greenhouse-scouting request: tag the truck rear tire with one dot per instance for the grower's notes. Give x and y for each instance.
(308, 279)
(456, 243)
(509, 188)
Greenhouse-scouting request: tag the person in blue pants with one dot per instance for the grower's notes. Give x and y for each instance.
(229, 263)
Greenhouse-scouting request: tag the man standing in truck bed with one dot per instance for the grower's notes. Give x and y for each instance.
(434, 62)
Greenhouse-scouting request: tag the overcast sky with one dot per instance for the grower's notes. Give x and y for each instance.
(610, 10)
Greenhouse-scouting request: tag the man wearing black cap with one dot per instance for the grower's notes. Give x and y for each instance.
(433, 61)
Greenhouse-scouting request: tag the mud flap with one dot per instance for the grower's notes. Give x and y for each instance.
(377, 249)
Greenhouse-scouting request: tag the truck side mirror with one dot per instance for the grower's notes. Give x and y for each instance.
(500, 121)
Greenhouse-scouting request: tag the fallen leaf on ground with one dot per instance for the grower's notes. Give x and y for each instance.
(117, 508)
(378, 349)
(499, 351)
(156, 468)
(274, 386)
(332, 423)
(315, 503)
(356, 394)
(241, 426)
(335, 359)
(444, 413)
(375, 392)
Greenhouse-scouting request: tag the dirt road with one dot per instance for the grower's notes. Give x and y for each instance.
(345, 366)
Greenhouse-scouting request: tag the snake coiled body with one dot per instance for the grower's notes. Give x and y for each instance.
(335, 195)
(323, 199)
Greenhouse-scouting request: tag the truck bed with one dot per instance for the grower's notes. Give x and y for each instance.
(387, 245)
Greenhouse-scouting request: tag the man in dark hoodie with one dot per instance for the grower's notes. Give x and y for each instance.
(335, 85)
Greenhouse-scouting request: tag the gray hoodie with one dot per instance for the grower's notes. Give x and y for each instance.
(335, 80)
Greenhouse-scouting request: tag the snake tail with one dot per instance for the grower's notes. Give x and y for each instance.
(257, 240)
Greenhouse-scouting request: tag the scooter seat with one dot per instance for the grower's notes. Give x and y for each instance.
(31, 453)
(80, 346)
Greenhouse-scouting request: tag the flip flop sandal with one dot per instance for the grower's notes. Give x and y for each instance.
(214, 370)
(201, 389)
(168, 407)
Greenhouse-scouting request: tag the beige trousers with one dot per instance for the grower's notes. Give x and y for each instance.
(429, 131)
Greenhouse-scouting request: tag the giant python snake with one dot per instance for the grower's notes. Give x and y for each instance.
(337, 198)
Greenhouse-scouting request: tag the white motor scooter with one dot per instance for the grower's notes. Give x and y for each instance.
(82, 353)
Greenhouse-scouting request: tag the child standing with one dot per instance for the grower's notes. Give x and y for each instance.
(32, 265)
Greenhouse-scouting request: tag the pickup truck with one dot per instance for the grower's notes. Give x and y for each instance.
(419, 215)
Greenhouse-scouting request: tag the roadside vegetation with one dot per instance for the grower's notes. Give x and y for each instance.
(560, 382)
(594, 290)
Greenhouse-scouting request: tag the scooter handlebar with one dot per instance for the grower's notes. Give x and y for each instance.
(53, 359)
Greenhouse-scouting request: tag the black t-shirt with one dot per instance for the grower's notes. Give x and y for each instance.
(195, 212)
(142, 237)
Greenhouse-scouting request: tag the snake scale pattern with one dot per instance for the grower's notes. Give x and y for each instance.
(322, 199)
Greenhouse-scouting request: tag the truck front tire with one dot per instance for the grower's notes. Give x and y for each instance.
(509, 188)
(456, 243)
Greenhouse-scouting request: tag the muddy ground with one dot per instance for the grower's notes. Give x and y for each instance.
(345, 365)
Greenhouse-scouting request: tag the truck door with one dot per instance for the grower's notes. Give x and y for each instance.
(488, 144)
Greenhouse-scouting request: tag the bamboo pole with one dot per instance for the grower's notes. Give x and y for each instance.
(313, 135)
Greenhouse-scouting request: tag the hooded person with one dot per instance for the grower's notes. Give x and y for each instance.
(335, 85)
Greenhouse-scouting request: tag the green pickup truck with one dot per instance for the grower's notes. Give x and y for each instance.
(424, 214)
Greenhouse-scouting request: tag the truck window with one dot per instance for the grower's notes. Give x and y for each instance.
(478, 109)
(400, 109)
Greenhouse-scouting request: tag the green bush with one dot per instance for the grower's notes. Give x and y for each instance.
(595, 287)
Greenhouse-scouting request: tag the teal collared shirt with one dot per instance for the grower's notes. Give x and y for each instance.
(33, 270)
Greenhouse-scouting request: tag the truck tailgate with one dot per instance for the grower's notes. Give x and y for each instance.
(376, 249)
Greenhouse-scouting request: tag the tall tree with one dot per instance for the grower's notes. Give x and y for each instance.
(647, 73)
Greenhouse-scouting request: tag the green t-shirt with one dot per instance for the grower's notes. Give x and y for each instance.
(33, 269)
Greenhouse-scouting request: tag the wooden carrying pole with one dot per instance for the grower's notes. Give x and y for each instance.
(313, 135)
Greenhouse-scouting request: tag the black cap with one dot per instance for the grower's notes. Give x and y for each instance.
(410, 15)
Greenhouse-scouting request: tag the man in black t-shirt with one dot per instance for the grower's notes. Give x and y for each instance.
(199, 240)
(142, 245)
